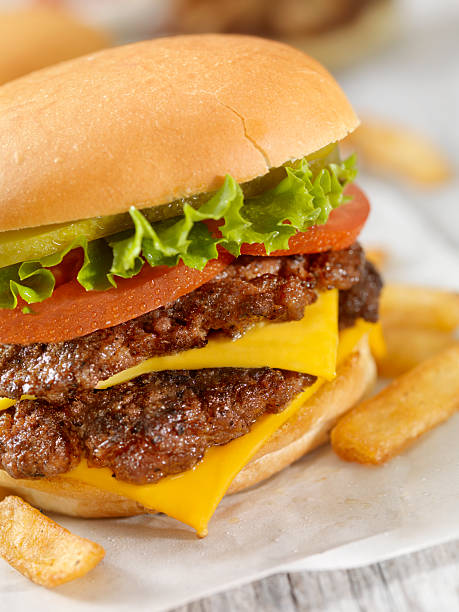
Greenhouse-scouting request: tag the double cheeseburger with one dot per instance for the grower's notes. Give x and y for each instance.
(185, 310)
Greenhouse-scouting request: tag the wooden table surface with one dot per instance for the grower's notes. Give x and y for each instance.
(425, 581)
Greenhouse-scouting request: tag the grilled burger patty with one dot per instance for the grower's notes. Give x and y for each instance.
(152, 426)
(162, 423)
(248, 290)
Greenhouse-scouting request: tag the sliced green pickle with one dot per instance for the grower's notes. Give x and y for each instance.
(28, 244)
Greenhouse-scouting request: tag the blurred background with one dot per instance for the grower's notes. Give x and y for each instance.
(398, 61)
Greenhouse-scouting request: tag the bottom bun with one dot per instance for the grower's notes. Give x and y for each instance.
(304, 432)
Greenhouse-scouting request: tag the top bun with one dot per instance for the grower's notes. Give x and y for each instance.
(33, 38)
(155, 121)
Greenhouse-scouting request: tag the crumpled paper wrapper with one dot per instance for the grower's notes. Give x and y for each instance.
(321, 513)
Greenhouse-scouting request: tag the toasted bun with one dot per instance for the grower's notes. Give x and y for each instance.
(152, 122)
(301, 434)
(33, 38)
(69, 497)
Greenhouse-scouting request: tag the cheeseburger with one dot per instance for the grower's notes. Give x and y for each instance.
(184, 307)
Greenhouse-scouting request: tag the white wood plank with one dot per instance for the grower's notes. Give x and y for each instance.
(422, 582)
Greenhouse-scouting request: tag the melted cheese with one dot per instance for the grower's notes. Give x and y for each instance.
(311, 347)
(349, 337)
(193, 496)
(6, 403)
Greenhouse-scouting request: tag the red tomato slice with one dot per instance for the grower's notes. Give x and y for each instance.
(68, 268)
(341, 230)
(72, 312)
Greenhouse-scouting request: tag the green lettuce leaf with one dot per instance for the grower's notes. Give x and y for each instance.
(299, 201)
(33, 282)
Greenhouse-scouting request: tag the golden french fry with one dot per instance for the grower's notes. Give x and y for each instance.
(378, 256)
(40, 549)
(406, 347)
(404, 305)
(380, 428)
(398, 150)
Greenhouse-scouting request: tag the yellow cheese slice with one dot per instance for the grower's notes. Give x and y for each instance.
(6, 403)
(308, 346)
(349, 337)
(193, 496)
(346, 340)
(311, 348)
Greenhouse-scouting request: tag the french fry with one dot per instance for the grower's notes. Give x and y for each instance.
(404, 305)
(406, 347)
(40, 549)
(383, 426)
(393, 149)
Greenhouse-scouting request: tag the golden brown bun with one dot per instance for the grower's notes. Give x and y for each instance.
(69, 497)
(148, 123)
(33, 38)
(301, 434)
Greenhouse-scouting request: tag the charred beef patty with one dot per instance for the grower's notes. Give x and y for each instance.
(248, 290)
(162, 423)
(362, 299)
(155, 425)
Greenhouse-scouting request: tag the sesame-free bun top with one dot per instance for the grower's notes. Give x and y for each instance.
(36, 37)
(155, 121)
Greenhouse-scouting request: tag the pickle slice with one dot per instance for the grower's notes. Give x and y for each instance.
(36, 242)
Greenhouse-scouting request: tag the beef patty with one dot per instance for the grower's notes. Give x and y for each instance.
(155, 425)
(162, 423)
(248, 290)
